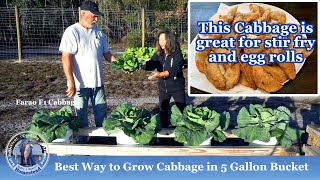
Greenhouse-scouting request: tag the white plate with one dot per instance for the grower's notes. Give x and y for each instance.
(199, 80)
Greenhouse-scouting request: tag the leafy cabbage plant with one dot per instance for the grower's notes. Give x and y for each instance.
(53, 125)
(141, 52)
(133, 58)
(128, 63)
(136, 123)
(260, 123)
(195, 125)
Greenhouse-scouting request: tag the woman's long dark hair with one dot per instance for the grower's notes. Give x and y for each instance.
(171, 43)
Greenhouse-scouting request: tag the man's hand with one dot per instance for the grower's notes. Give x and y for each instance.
(109, 57)
(71, 91)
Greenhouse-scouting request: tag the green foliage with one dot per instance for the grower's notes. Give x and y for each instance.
(184, 54)
(169, 21)
(183, 38)
(41, 3)
(259, 123)
(133, 58)
(142, 52)
(129, 4)
(147, 4)
(130, 18)
(134, 38)
(128, 63)
(53, 125)
(167, 6)
(194, 125)
(139, 124)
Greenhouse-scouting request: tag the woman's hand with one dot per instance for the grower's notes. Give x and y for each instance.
(154, 76)
(126, 72)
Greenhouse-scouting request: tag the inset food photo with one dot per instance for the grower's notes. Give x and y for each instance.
(253, 48)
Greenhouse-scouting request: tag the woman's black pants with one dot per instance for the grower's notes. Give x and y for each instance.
(164, 102)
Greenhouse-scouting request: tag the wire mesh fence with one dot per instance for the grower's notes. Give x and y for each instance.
(122, 28)
(8, 34)
(176, 22)
(41, 29)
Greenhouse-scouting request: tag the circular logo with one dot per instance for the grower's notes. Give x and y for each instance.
(27, 153)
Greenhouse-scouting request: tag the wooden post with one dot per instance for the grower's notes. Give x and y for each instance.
(18, 33)
(142, 27)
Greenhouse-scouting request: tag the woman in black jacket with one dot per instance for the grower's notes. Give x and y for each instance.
(168, 62)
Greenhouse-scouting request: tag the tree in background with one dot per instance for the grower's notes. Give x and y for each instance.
(114, 5)
(121, 21)
(40, 3)
(160, 14)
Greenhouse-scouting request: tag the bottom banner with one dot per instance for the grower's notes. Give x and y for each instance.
(165, 167)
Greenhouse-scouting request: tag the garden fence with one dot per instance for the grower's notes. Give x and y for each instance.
(36, 33)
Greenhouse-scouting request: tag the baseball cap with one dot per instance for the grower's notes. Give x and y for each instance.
(92, 7)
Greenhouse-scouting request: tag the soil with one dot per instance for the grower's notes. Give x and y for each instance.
(31, 81)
